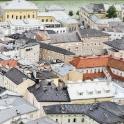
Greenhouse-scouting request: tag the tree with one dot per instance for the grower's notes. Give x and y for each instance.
(112, 12)
(70, 13)
(77, 13)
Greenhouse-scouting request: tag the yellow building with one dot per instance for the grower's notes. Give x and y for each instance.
(18, 9)
(45, 17)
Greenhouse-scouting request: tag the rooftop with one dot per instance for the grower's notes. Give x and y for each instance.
(103, 113)
(16, 76)
(62, 69)
(55, 49)
(42, 75)
(79, 90)
(92, 33)
(54, 8)
(116, 44)
(48, 92)
(13, 106)
(18, 4)
(65, 38)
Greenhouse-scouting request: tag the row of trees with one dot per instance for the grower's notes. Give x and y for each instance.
(111, 13)
(71, 13)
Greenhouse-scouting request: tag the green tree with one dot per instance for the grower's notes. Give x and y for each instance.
(71, 13)
(112, 12)
(77, 13)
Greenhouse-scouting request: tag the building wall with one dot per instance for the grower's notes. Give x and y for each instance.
(72, 119)
(46, 18)
(91, 101)
(95, 42)
(8, 84)
(88, 23)
(75, 47)
(71, 27)
(75, 76)
(30, 53)
(19, 14)
(51, 55)
(27, 117)
(22, 88)
(58, 30)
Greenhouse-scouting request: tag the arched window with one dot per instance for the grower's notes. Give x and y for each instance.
(82, 120)
(46, 20)
(74, 120)
(33, 16)
(69, 120)
(28, 16)
(16, 17)
(7, 16)
(24, 16)
(12, 16)
(20, 17)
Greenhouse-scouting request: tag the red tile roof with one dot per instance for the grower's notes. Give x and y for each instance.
(98, 61)
(8, 63)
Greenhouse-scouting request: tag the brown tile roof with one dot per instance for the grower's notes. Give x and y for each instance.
(98, 61)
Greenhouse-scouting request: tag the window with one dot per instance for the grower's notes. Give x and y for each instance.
(20, 17)
(69, 120)
(56, 120)
(7, 16)
(51, 20)
(29, 49)
(12, 16)
(74, 120)
(42, 20)
(46, 20)
(28, 16)
(16, 17)
(24, 17)
(107, 91)
(32, 16)
(99, 92)
(82, 120)
(90, 93)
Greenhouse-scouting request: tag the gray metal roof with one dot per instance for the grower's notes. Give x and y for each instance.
(116, 44)
(55, 49)
(42, 75)
(48, 92)
(92, 33)
(103, 113)
(65, 38)
(44, 120)
(16, 76)
(13, 106)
